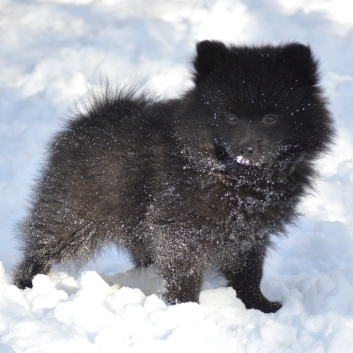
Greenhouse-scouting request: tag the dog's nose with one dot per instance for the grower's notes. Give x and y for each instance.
(247, 150)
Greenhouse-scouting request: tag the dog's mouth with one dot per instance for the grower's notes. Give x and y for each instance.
(226, 160)
(242, 160)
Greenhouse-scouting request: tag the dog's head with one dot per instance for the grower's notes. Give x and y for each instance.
(261, 101)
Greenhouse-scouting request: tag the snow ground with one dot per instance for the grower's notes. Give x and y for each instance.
(49, 51)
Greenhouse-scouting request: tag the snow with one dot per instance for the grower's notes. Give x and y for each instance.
(51, 51)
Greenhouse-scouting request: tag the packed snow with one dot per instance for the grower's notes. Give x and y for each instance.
(51, 52)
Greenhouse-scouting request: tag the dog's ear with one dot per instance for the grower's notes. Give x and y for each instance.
(208, 54)
(301, 61)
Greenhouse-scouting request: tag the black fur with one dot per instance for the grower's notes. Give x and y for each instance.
(186, 184)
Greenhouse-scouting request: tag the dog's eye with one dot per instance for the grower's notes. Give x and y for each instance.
(232, 119)
(270, 119)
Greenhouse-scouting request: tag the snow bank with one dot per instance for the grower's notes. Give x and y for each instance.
(88, 315)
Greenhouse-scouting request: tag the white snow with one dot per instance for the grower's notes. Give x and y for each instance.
(51, 50)
(242, 160)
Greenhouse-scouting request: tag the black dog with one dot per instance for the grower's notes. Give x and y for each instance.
(190, 183)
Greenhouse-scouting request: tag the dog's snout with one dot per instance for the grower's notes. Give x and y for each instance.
(247, 150)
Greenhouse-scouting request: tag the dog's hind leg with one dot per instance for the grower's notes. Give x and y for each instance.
(46, 244)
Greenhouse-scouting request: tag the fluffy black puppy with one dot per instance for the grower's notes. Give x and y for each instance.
(186, 184)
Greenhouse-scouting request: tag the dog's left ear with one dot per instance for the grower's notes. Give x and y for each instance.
(208, 54)
(301, 61)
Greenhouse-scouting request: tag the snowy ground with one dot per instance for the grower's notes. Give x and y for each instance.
(49, 50)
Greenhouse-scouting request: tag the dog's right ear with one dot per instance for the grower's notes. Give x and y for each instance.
(301, 62)
(208, 54)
